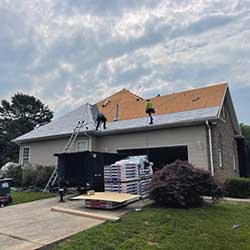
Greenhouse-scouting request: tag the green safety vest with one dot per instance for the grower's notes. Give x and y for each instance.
(149, 105)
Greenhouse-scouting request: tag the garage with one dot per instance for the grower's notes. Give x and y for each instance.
(160, 156)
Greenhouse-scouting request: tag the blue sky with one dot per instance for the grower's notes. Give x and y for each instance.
(70, 52)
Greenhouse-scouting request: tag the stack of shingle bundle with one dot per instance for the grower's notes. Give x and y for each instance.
(131, 175)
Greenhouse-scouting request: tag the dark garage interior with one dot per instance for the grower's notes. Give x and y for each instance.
(160, 156)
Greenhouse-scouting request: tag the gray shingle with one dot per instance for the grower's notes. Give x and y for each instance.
(65, 124)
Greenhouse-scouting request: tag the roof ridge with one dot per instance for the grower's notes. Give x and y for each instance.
(120, 92)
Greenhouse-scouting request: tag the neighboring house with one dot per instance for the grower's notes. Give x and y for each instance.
(198, 125)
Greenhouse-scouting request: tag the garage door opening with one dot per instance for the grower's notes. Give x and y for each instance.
(160, 156)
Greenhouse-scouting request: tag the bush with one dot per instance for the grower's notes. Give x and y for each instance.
(36, 176)
(42, 175)
(238, 187)
(181, 185)
(14, 171)
(28, 175)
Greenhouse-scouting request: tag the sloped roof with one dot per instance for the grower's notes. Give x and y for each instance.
(187, 106)
(131, 106)
(65, 124)
(186, 117)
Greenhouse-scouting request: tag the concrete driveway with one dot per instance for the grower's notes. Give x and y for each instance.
(32, 225)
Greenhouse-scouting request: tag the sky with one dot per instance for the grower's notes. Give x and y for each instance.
(69, 52)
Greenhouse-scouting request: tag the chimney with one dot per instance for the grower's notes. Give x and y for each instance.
(116, 117)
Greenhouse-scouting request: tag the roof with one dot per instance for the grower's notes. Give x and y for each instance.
(179, 108)
(65, 124)
(131, 106)
(160, 121)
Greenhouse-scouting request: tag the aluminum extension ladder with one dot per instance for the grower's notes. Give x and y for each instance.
(54, 176)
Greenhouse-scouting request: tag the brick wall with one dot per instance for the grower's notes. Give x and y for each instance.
(223, 140)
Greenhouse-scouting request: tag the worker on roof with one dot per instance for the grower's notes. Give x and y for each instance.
(150, 110)
(101, 119)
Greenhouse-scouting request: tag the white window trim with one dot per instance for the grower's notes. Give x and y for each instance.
(23, 152)
(77, 143)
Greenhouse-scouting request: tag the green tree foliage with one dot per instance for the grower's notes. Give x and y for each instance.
(17, 117)
(245, 129)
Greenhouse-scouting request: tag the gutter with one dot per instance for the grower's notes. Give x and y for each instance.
(210, 148)
(190, 122)
(125, 130)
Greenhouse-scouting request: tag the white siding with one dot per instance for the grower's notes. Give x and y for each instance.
(194, 137)
(42, 152)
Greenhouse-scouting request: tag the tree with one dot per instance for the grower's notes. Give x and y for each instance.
(17, 117)
(245, 129)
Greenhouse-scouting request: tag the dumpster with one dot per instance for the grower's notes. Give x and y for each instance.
(84, 169)
(5, 197)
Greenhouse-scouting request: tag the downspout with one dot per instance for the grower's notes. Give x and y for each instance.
(210, 147)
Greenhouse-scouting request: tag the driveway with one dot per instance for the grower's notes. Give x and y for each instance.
(32, 225)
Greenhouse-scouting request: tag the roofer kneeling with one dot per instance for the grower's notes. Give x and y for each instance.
(101, 119)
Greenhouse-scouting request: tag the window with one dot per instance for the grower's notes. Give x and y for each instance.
(26, 155)
(82, 146)
(220, 150)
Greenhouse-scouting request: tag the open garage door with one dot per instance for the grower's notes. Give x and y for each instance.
(160, 156)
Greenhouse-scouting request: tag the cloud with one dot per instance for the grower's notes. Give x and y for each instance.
(71, 52)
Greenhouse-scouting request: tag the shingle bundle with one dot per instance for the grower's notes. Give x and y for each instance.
(131, 175)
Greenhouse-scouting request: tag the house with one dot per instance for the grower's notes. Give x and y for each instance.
(198, 125)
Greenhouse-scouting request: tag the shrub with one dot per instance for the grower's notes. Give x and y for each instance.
(36, 176)
(181, 185)
(14, 171)
(43, 174)
(29, 176)
(238, 187)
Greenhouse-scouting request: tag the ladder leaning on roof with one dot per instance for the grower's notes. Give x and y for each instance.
(53, 178)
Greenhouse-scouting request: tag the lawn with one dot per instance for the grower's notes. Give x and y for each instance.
(21, 197)
(154, 228)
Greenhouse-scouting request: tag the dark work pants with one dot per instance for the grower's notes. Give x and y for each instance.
(151, 118)
(150, 112)
(99, 121)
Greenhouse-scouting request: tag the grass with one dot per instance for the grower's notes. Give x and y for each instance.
(207, 228)
(21, 197)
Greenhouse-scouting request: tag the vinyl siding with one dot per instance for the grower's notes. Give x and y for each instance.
(194, 137)
(42, 152)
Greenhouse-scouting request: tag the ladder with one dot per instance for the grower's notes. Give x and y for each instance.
(54, 176)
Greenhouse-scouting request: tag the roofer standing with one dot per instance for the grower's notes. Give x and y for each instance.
(150, 110)
(101, 119)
